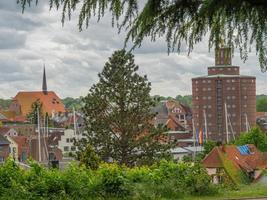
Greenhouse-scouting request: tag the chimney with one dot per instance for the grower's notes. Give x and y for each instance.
(223, 56)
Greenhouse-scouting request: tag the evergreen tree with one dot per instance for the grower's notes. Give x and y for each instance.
(118, 115)
(238, 23)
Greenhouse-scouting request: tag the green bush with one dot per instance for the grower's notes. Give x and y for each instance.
(165, 179)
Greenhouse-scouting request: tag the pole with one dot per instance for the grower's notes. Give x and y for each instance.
(226, 124)
(247, 128)
(206, 127)
(194, 139)
(74, 121)
(39, 136)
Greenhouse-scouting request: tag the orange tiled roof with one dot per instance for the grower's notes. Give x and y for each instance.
(51, 102)
(249, 162)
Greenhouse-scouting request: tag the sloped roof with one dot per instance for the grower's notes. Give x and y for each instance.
(3, 140)
(248, 162)
(4, 130)
(51, 102)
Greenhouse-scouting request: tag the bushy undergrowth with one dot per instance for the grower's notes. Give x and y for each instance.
(162, 180)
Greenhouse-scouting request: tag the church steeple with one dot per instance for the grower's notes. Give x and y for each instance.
(44, 82)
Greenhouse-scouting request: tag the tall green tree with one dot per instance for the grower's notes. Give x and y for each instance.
(118, 115)
(238, 23)
(32, 116)
(254, 136)
(262, 105)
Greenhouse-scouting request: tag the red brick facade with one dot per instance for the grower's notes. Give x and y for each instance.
(224, 87)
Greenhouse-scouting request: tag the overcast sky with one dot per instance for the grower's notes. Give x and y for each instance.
(74, 58)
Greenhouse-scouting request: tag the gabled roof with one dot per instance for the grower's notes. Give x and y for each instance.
(4, 130)
(247, 162)
(51, 102)
(3, 140)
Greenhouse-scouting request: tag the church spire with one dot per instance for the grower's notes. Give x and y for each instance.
(44, 82)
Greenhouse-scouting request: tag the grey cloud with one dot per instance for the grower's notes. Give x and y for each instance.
(9, 39)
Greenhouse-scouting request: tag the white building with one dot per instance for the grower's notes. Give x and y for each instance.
(66, 144)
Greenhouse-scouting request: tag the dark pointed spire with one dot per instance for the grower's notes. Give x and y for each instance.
(44, 82)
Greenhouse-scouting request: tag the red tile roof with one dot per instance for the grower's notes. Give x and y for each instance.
(248, 162)
(51, 102)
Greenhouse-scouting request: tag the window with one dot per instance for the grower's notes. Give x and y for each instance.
(209, 89)
(228, 80)
(67, 140)
(233, 88)
(209, 81)
(233, 97)
(73, 148)
(209, 106)
(233, 114)
(245, 105)
(66, 148)
(228, 88)
(203, 89)
(196, 82)
(209, 97)
(245, 97)
(204, 97)
(204, 106)
(228, 97)
(209, 115)
(196, 89)
(233, 80)
(203, 81)
(233, 106)
(196, 97)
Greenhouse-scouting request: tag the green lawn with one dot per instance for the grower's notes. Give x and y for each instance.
(247, 191)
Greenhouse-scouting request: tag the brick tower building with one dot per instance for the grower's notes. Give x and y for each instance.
(224, 102)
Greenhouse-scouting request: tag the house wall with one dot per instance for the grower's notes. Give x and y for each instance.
(66, 144)
(4, 152)
(13, 148)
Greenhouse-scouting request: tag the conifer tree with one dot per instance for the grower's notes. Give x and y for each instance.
(118, 115)
(236, 23)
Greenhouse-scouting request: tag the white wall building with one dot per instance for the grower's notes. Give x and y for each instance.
(66, 144)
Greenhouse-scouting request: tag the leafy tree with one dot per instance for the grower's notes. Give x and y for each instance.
(254, 136)
(71, 103)
(89, 158)
(262, 105)
(32, 116)
(118, 115)
(238, 23)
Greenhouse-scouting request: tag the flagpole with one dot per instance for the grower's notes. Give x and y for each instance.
(39, 136)
(206, 127)
(226, 123)
(194, 138)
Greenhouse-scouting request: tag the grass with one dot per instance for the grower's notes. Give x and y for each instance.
(245, 191)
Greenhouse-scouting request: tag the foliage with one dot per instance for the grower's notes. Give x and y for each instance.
(262, 105)
(254, 136)
(239, 23)
(109, 181)
(118, 115)
(32, 116)
(89, 158)
(71, 103)
(5, 103)
(186, 99)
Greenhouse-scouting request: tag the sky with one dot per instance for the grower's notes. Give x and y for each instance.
(73, 59)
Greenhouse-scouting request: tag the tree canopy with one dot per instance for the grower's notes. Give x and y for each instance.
(238, 23)
(254, 136)
(118, 115)
(262, 105)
